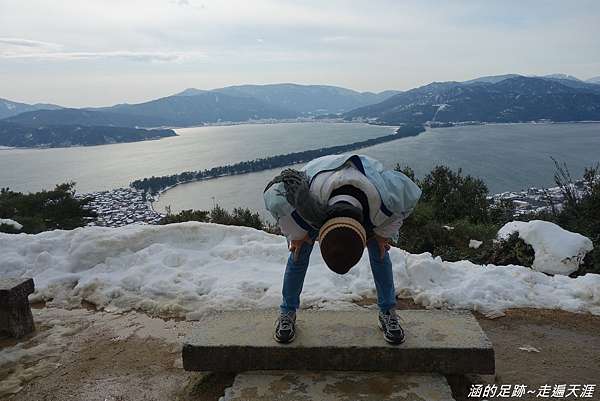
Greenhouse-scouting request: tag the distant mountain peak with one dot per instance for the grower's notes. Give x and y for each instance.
(307, 100)
(593, 80)
(8, 108)
(512, 98)
(562, 76)
(492, 79)
(191, 92)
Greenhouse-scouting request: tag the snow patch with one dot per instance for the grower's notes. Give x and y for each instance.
(475, 244)
(557, 251)
(11, 223)
(192, 268)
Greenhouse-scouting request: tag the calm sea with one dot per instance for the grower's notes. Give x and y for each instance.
(111, 166)
(506, 156)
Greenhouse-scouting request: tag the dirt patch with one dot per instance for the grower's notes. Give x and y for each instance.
(80, 355)
(105, 370)
(208, 387)
(568, 345)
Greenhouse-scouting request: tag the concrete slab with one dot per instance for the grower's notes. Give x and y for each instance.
(337, 386)
(447, 342)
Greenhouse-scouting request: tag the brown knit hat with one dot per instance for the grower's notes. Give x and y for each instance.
(342, 241)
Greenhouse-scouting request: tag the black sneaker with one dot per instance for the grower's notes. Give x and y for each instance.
(389, 323)
(285, 327)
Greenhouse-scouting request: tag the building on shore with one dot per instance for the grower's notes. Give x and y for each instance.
(120, 207)
(537, 199)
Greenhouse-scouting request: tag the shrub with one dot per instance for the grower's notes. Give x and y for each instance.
(454, 196)
(238, 217)
(245, 217)
(450, 242)
(510, 251)
(220, 216)
(453, 209)
(184, 215)
(45, 210)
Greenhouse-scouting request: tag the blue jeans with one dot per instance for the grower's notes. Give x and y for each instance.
(295, 271)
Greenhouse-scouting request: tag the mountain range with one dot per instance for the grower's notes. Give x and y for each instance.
(509, 98)
(499, 98)
(9, 108)
(196, 107)
(308, 99)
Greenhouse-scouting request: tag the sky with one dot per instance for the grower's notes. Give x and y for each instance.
(102, 52)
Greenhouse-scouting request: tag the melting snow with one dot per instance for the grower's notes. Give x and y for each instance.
(191, 268)
(557, 251)
(11, 223)
(475, 244)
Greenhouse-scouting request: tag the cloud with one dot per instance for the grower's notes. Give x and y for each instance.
(330, 39)
(125, 55)
(19, 42)
(182, 3)
(20, 48)
(364, 45)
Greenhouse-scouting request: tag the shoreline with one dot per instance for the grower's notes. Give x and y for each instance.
(210, 125)
(294, 121)
(86, 146)
(155, 185)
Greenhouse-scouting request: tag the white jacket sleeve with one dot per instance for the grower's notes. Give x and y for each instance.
(290, 228)
(389, 228)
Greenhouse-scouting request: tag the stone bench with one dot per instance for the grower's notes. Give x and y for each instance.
(338, 386)
(16, 319)
(437, 341)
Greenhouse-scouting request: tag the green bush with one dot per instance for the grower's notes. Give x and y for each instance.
(184, 215)
(510, 251)
(453, 210)
(454, 196)
(449, 241)
(45, 210)
(245, 217)
(238, 217)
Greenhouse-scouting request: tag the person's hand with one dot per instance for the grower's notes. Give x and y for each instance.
(383, 244)
(296, 246)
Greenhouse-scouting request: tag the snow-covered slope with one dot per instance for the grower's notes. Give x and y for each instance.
(191, 268)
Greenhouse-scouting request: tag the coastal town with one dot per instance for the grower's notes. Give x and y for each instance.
(534, 200)
(120, 207)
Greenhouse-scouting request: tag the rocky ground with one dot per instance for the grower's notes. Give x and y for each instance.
(568, 345)
(83, 354)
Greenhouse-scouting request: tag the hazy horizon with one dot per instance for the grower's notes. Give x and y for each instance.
(96, 54)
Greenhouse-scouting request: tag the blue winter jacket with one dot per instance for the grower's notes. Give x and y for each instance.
(398, 193)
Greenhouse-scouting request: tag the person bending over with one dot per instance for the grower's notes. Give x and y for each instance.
(347, 203)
